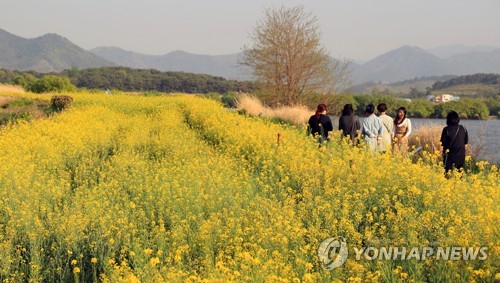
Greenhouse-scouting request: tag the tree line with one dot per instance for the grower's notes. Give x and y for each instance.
(480, 78)
(468, 108)
(125, 79)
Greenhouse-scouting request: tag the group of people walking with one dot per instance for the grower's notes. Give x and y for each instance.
(382, 133)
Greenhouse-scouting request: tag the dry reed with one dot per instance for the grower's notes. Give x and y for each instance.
(11, 89)
(428, 137)
(297, 115)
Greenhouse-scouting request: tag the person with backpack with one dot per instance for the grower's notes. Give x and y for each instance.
(454, 139)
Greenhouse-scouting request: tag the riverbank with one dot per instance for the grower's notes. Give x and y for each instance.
(483, 134)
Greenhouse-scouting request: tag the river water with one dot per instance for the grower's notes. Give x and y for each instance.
(484, 133)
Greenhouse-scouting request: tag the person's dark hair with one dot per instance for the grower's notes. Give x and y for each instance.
(382, 107)
(452, 118)
(370, 109)
(321, 108)
(397, 117)
(348, 110)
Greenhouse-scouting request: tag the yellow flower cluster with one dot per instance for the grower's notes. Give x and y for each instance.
(127, 188)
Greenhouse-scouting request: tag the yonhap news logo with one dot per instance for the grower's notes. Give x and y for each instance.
(333, 253)
(415, 253)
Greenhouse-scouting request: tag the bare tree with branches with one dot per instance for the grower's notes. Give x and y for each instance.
(287, 56)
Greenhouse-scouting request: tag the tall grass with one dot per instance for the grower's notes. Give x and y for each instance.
(297, 115)
(428, 137)
(10, 89)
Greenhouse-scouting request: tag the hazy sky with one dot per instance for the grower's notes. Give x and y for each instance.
(354, 29)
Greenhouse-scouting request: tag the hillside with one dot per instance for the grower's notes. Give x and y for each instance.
(404, 63)
(47, 53)
(477, 62)
(52, 52)
(400, 64)
(420, 84)
(408, 62)
(470, 90)
(475, 85)
(448, 51)
(224, 65)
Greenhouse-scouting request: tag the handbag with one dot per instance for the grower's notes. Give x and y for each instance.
(453, 140)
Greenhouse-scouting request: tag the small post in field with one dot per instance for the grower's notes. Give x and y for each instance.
(279, 139)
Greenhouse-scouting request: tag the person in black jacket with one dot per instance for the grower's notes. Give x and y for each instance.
(453, 139)
(349, 123)
(319, 123)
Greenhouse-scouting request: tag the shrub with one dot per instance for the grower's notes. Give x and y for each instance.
(61, 102)
(14, 117)
(25, 80)
(493, 104)
(229, 99)
(51, 83)
(212, 95)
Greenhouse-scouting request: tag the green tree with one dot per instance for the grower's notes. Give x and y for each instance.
(415, 93)
(7, 76)
(286, 54)
(466, 108)
(493, 104)
(392, 103)
(442, 109)
(420, 108)
(477, 109)
(51, 83)
(25, 80)
(127, 79)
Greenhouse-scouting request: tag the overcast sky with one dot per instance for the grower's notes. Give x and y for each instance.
(353, 29)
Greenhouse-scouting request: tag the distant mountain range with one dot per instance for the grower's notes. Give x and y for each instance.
(52, 52)
(47, 53)
(223, 65)
(409, 62)
(456, 49)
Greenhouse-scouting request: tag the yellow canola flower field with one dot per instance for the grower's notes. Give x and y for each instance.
(125, 188)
